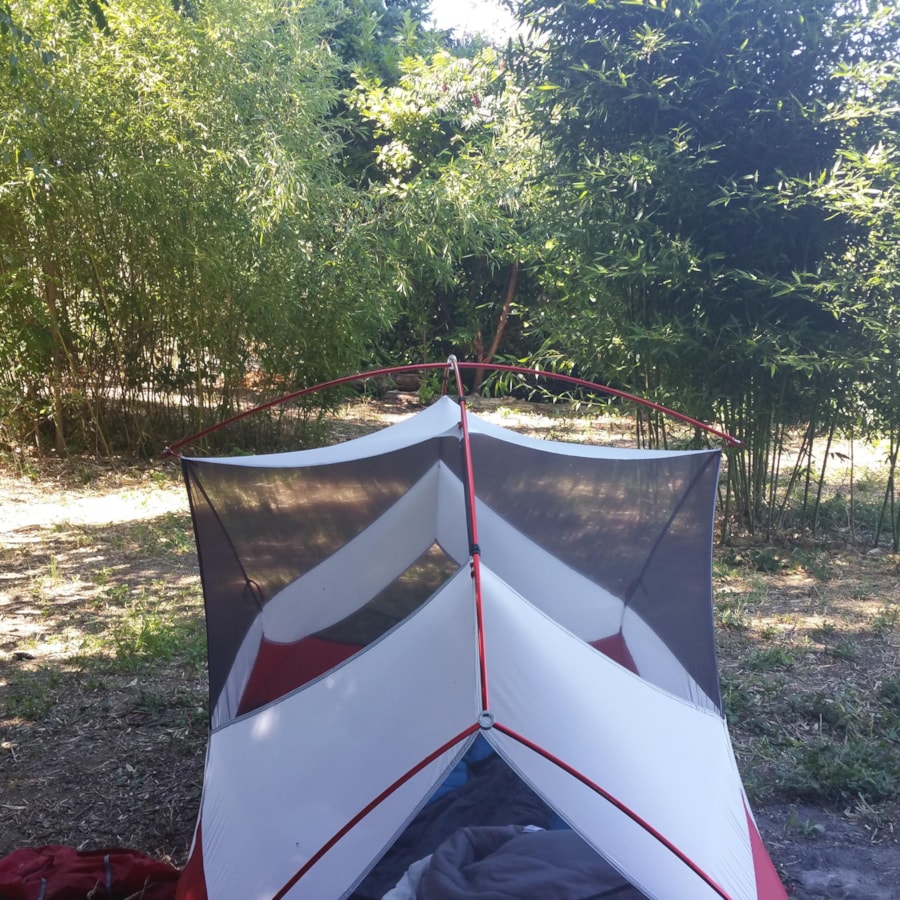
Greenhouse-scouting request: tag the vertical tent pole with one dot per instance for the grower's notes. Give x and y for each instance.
(472, 526)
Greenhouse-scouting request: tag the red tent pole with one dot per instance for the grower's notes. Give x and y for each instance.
(172, 449)
(369, 807)
(295, 395)
(643, 823)
(604, 389)
(472, 524)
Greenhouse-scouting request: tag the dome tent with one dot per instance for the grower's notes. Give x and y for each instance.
(380, 609)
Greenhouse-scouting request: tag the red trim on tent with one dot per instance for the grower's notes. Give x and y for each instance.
(616, 803)
(617, 650)
(369, 807)
(282, 668)
(192, 882)
(768, 882)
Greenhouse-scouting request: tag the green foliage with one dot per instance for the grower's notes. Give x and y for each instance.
(31, 696)
(886, 620)
(804, 826)
(454, 208)
(747, 703)
(731, 613)
(821, 745)
(771, 658)
(712, 230)
(889, 695)
(135, 631)
(766, 559)
(692, 199)
(374, 36)
(168, 197)
(848, 650)
(830, 771)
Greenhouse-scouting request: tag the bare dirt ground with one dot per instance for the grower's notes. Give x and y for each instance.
(103, 693)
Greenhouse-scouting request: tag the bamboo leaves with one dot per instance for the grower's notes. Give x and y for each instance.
(168, 185)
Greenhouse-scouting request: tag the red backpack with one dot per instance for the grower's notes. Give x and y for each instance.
(63, 873)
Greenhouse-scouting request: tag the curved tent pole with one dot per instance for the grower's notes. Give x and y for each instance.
(172, 449)
(618, 804)
(614, 392)
(472, 729)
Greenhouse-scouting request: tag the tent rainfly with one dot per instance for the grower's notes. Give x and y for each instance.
(446, 659)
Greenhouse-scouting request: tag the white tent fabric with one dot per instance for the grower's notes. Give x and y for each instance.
(355, 655)
(613, 736)
(439, 418)
(562, 448)
(348, 578)
(254, 842)
(345, 580)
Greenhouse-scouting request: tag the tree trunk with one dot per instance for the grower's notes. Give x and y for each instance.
(512, 280)
(51, 274)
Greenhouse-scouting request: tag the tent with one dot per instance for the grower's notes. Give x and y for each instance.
(385, 614)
